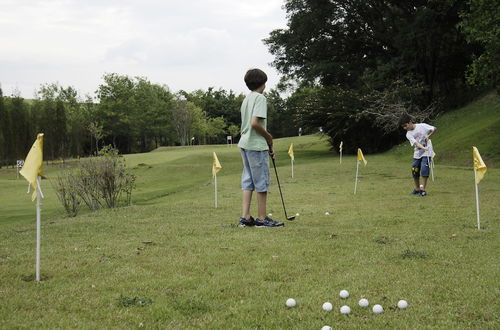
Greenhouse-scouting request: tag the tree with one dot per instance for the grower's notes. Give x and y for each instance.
(481, 26)
(336, 42)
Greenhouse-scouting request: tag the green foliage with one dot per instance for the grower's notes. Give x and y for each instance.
(481, 26)
(99, 182)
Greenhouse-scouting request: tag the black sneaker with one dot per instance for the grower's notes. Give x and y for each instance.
(247, 223)
(268, 222)
(423, 193)
(415, 192)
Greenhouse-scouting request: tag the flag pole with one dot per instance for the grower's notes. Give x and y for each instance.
(38, 230)
(292, 166)
(340, 156)
(477, 200)
(215, 178)
(356, 181)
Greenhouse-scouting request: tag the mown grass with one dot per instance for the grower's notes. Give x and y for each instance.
(171, 260)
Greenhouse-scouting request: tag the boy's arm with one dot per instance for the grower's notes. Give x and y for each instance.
(431, 132)
(262, 131)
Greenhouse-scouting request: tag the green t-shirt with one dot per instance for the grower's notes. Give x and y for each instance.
(254, 104)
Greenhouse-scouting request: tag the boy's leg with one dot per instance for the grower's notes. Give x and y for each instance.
(425, 169)
(262, 200)
(246, 201)
(415, 171)
(246, 185)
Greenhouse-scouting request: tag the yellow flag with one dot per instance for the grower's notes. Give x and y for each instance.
(32, 167)
(216, 166)
(290, 152)
(479, 165)
(361, 157)
(340, 146)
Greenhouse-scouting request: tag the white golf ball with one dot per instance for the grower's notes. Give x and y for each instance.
(344, 294)
(345, 309)
(327, 213)
(326, 327)
(402, 304)
(377, 309)
(270, 215)
(297, 215)
(327, 306)
(290, 302)
(363, 302)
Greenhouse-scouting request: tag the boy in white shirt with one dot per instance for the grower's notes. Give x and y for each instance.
(418, 135)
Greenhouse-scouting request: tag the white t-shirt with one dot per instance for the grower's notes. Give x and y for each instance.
(418, 134)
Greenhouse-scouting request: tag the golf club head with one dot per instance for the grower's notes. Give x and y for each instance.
(291, 218)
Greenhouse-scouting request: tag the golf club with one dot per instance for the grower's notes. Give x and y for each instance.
(281, 194)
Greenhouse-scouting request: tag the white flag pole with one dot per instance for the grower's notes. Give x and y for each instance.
(215, 178)
(38, 229)
(340, 156)
(292, 166)
(477, 200)
(356, 181)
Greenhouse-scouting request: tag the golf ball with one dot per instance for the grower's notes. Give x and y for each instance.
(290, 302)
(377, 309)
(363, 302)
(327, 213)
(345, 309)
(297, 215)
(326, 327)
(327, 306)
(402, 304)
(270, 215)
(344, 294)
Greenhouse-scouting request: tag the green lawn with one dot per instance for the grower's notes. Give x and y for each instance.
(194, 268)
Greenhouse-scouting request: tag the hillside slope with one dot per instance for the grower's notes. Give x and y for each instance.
(477, 124)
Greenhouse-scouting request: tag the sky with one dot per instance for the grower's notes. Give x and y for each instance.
(187, 44)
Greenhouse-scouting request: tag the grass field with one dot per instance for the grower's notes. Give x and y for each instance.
(173, 261)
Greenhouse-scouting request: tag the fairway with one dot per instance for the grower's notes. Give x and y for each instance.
(173, 261)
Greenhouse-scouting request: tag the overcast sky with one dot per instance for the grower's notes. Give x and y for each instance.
(184, 44)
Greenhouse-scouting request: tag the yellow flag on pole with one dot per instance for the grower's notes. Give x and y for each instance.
(479, 165)
(340, 146)
(290, 152)
(216, 166)
(32, 167)
(361, 157)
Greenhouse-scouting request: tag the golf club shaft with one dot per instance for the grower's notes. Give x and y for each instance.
(279, 187)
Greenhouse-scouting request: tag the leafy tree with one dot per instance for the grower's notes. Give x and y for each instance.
(481, 26)
(116, 110)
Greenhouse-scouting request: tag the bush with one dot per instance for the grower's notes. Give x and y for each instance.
(101, 181)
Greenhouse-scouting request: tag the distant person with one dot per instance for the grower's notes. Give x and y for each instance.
(418, 135)
(256, 145)
(300, 131)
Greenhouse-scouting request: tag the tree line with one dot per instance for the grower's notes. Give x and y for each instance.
(130, 113)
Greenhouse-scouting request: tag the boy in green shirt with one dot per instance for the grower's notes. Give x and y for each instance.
(256, 144)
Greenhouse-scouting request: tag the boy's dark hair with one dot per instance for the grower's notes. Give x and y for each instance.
(405, 119)
(254, 78)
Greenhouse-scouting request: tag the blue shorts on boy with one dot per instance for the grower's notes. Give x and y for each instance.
(420, 166)
(254, 148)
(255, 174)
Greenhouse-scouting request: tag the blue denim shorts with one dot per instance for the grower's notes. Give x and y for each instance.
(255, 174)
(420, 166)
